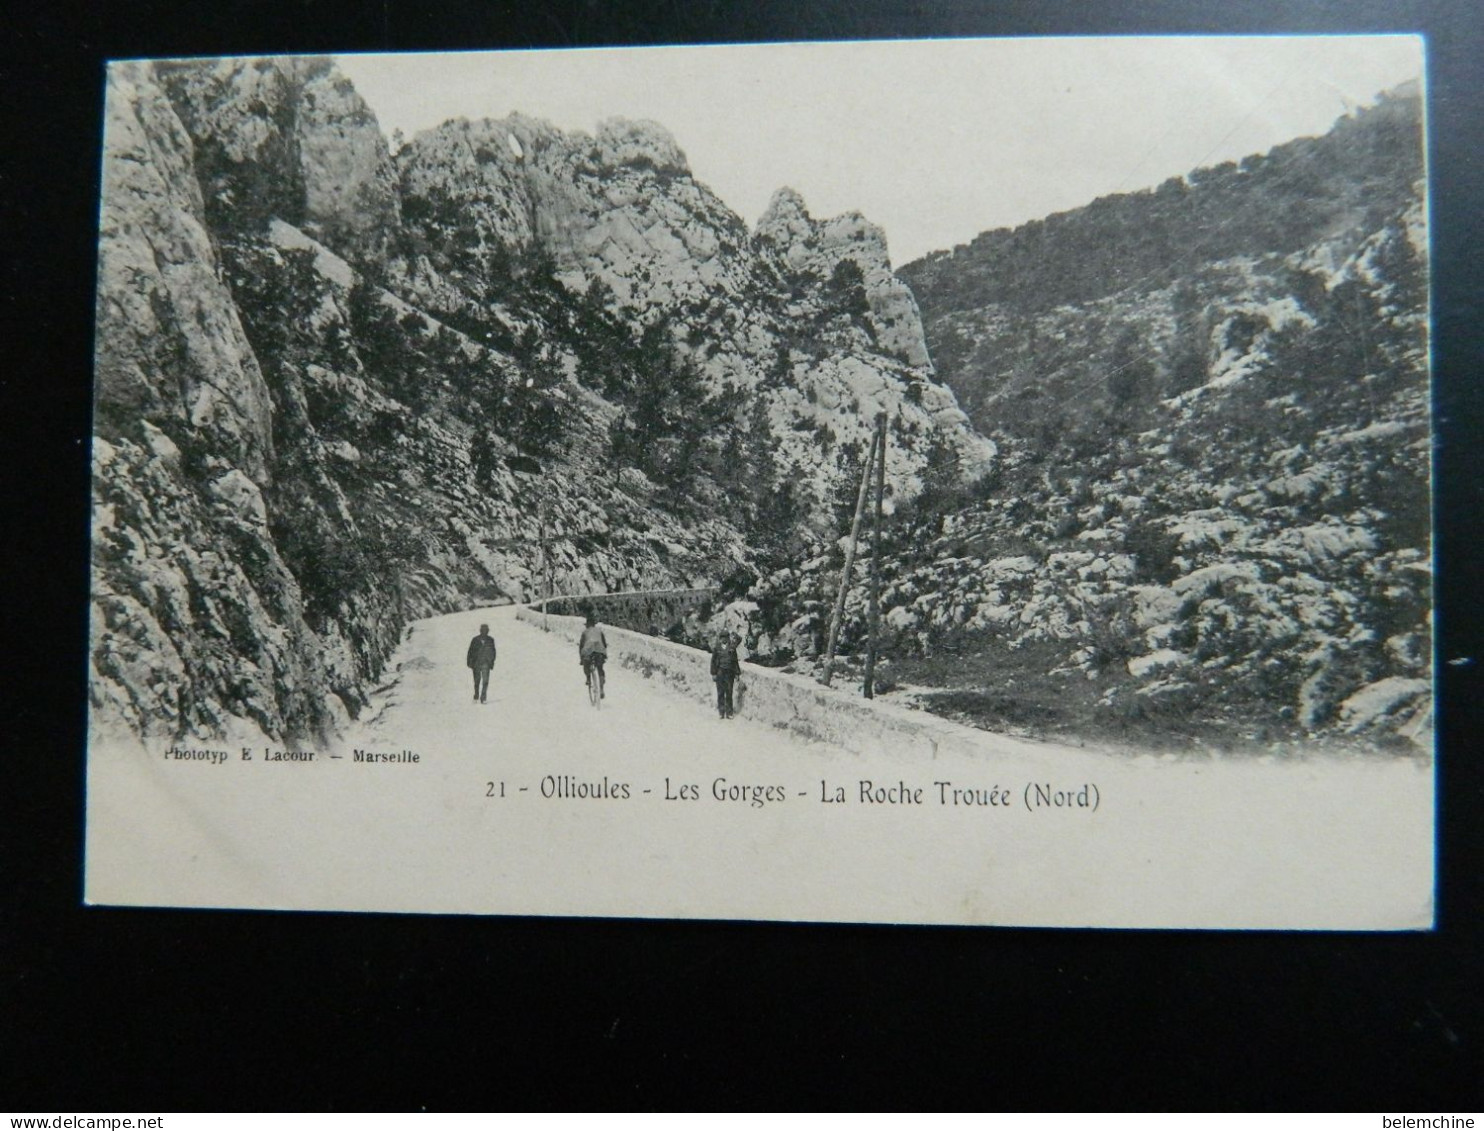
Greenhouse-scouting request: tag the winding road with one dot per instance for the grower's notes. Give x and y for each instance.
(535, 803)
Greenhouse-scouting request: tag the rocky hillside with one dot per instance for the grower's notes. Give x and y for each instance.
(800, 326)
(337, 389)
(1210, 520)
(991, 306)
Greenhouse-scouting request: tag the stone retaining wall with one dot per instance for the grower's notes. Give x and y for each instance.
(653, 612)
(839, 717)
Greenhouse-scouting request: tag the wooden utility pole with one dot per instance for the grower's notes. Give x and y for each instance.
(855, 530)
(874, 614)
(545, 565)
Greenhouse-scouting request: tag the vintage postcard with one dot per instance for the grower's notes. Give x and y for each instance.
(973, 482)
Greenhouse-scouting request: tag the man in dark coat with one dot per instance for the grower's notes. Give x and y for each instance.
(481, 659)
(724, 669)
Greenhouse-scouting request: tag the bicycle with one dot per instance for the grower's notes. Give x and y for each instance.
(595, 683)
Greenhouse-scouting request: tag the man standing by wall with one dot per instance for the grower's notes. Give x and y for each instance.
(724, 669)
(481, 659)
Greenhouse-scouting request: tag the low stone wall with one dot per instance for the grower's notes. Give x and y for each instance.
(796, 703)
(652, 612)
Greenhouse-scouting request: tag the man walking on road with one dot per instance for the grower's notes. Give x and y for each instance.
(481, 660)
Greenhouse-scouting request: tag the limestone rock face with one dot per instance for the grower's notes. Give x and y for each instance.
(291, 138)
(770, 313)
(170, 346)
(644, 143)
(350, 184)
(250, 589)
(495, 163)
(327, 383)
(1211, 499)
(620, 207)
(787, 226)
(197, 623)
(819, 247)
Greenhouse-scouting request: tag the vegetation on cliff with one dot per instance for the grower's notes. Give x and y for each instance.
(339, 390)
(1209, 524)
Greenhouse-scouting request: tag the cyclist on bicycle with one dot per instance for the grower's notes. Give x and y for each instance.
(592, 650)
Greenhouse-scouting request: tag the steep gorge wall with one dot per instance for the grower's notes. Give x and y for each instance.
(287, 138)
(768, 315)
(283, 469)
(198, 625)
(1210, 516)
(1035, 311)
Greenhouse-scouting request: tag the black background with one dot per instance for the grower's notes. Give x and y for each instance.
(106, 1009)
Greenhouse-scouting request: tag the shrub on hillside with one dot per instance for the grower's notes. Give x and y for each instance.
(1154, 549)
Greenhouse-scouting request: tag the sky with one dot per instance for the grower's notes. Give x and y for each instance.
(933, 140)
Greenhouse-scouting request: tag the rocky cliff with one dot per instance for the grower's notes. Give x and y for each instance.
(337, 390)
(287, 138)
(995, 307)
(802, 320)
(1209, 523)
(198, 621)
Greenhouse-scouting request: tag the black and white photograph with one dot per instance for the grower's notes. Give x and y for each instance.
(727, 483)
